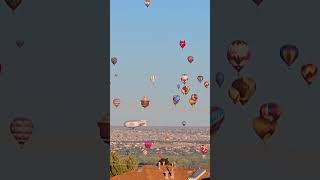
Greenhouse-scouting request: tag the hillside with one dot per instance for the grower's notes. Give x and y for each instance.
(150, 172)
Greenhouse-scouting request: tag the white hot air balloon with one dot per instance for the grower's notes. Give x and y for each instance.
(184, 78)
(153, 78)
(147, 2)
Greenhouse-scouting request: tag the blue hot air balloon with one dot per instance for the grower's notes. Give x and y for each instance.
(219, 78)
(176, 99)
(178, 86)
(216, 119)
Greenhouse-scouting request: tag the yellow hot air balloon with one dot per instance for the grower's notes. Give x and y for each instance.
(242, 90)
(264, 128)
(309, 72)
(192, 102)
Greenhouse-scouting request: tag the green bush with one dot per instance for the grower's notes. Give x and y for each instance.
(121, 165)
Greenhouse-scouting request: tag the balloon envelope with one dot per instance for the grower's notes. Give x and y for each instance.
(264, 128)
(309, 72)
(21, 128)
(219, 78)
(242, 90)
(217, 115)
(176, 99)
(238, 54)
(270, 111)
(289, 53)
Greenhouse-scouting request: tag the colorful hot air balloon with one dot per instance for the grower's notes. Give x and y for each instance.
(182, 43)
(216, 119)
(242, 90)
(184, 78)
(185, 90)
(21, 129)
(289, 54)
(19, 43)
(206, 84)
(190, 59)
(148, 144)
(219, 78)
(145, 102)
(192, 102)
(264, 128)
(176, 99)
(194, 97)
(309, 72)
(270, 111)
(204, 150)
(153, 78)
(257, 2)
(13, 4)
(116, 102)
(184, 123)
(147, 3)
(200, 78)
(238, 54)
(114, 60)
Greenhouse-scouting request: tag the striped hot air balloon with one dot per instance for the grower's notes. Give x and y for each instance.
(153, 78)
(116, 102)
(21, 129)
(289, 53)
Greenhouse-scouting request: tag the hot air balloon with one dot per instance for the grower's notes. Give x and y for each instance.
(270, 111)
(204, 150)
(242, 90)
(148, 144)
(264, 128)
(257, 2)
(194, 97)
(206, 84)
(176, 99)
(184, 78)
(200, 78)
(219, 78)
(289, 54)
(192, 102)
(19, 43)
(184, 123)
(116, 102)
(147, 3)
(21, 129)
(104, 126)
(153, 78)
(216, 119)
(145, 102)
(1, 68)
(114, 60)
(190, 59)
(309, 72)
(182, 43)
(238, 54)
(185, 90)
(13, 4)
(178, 86)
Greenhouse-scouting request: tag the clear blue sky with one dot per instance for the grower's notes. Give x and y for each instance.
(146, 41)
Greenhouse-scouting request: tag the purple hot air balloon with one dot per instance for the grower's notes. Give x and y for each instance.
(257, 2)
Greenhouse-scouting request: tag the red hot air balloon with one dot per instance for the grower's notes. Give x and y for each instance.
(190, 59)
(13, 4)
(114, 60)
(21, 129)
(206, 84)
(204, 150)
(194, 97)
(200, 79)
(148, 144)
(182, 43)
(116, 102)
